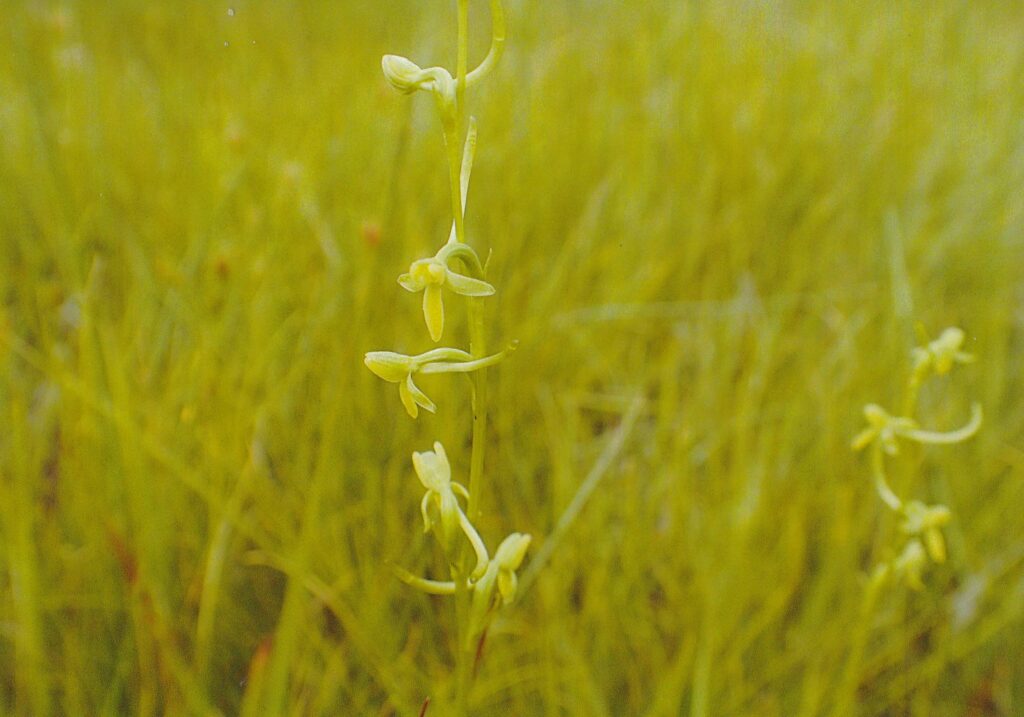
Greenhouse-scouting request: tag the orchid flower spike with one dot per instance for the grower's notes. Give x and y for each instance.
(941, 354)
(400, 368)
(925, 521)
(440, 507)
(431, 274)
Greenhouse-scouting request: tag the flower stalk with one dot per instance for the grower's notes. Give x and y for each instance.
(481, 583)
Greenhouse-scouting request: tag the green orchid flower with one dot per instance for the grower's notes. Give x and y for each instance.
(400, 368)
(882, 427)
(926, 521)
(443, 515)
(501, 572)
(940, 355)
(407, 77)
(440, 506)
(499, 583)
(497, 586)
(886, 428)
(433, 274)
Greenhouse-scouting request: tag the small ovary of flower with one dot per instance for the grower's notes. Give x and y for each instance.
(431, 275)
(941, 354)
(885, 428)
(400, 368)
(926, 521)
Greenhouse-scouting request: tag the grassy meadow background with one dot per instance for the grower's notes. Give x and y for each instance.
(729, 214)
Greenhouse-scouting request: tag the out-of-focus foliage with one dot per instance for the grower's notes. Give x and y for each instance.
(736, 210)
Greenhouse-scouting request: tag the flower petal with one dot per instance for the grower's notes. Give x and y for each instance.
(420, 398)
(512, 550)
(935, 544)
(508, 583)
(407, 399)
(862, 439)
(424, 509)
(410, 283)
(433, 311)
(468, 286)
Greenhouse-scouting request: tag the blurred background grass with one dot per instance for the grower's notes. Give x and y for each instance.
(736, 210)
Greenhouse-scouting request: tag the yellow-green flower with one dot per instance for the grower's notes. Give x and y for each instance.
(499, 583)
(926, 521)
(886, 428)
(433, 274)
(407, 77)
(941, 354)
(440, 506)
(883, 427)
(400, 368)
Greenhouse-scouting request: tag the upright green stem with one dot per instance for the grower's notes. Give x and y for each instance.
(848, 686)
(478, 349)
(463, 664)
(913, 389)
